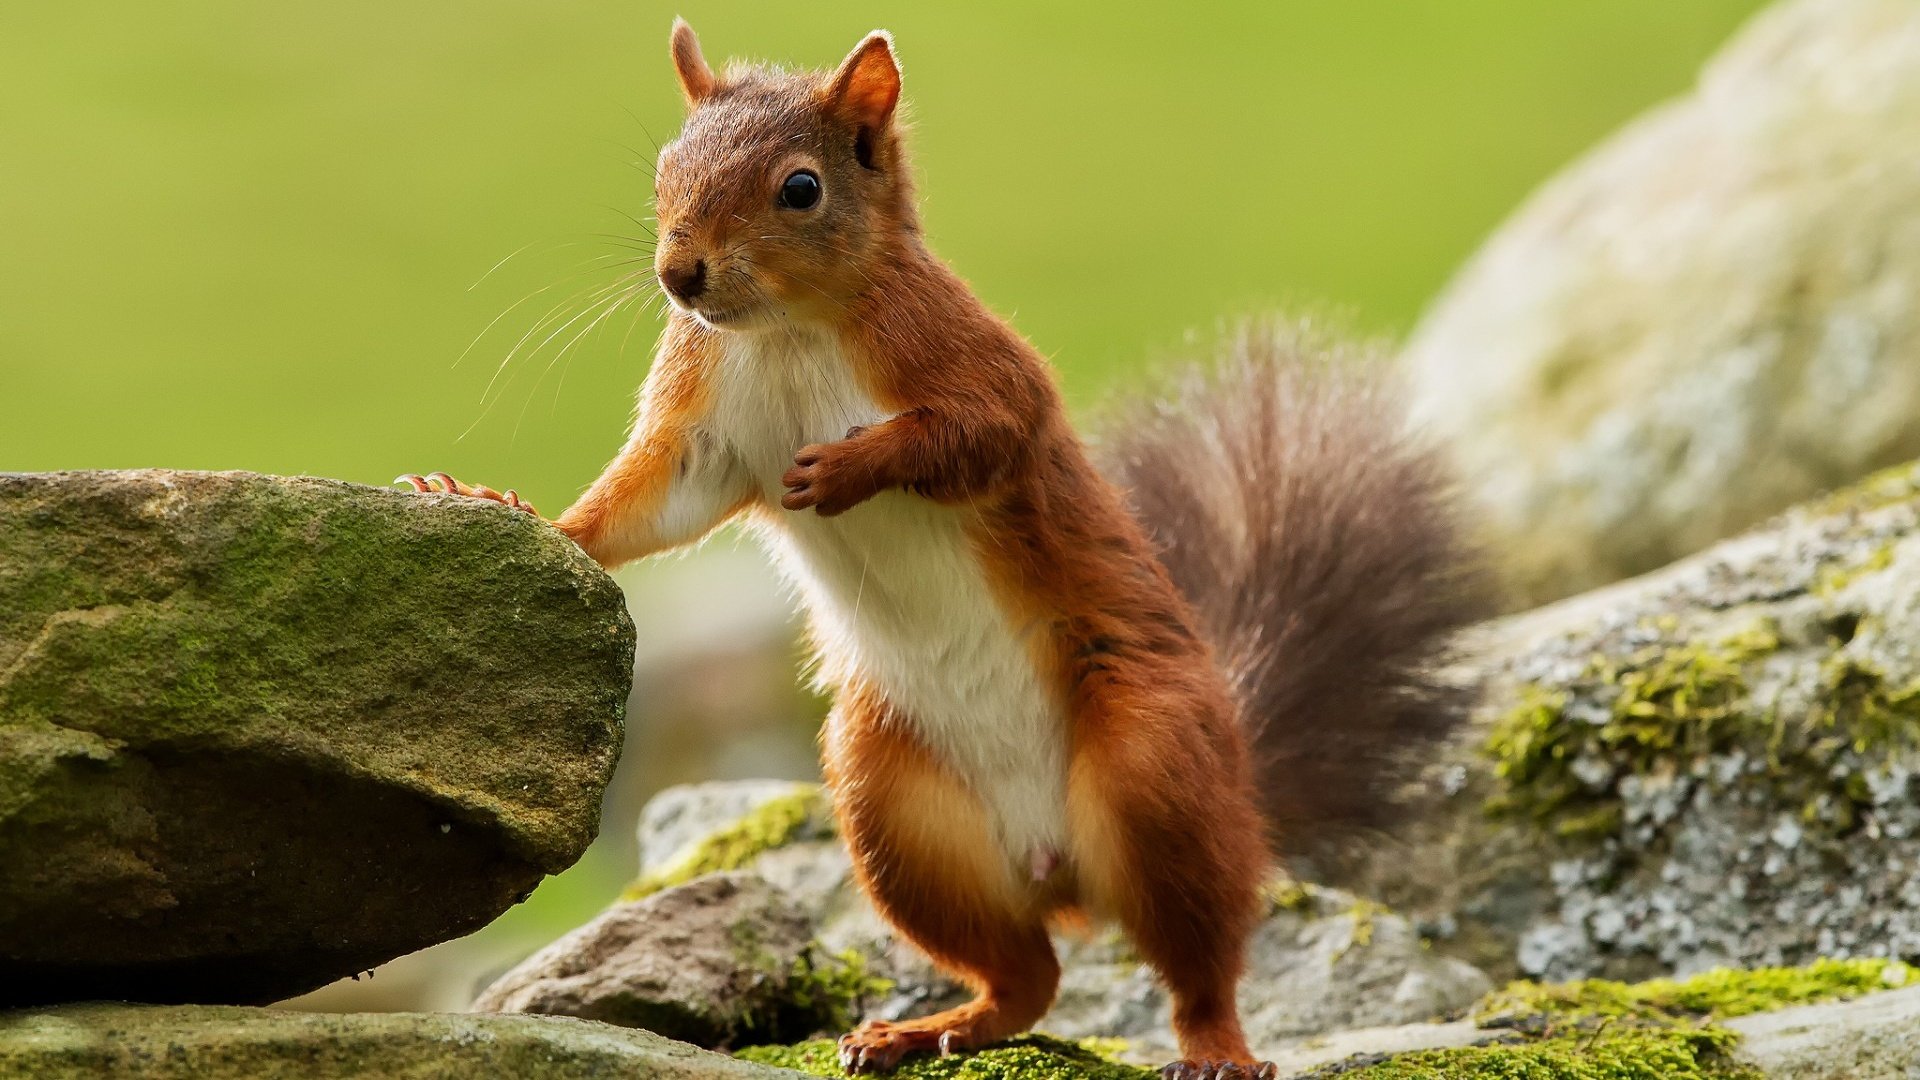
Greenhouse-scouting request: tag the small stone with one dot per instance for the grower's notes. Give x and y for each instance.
(721, 961)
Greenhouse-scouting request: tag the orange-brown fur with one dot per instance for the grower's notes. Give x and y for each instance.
(1164, 834)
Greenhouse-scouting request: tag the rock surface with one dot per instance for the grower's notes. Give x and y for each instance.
(1321, 961)
(1710, 317)
(726, 960)
(1876, 1037)
(198, 1042)
(259, 733)
(1718, 764)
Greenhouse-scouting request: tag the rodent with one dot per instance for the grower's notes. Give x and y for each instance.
(1058, 694)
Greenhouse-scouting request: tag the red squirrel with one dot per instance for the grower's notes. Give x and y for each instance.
(1050, 689)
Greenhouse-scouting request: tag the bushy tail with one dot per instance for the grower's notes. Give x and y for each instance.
(1317, 538)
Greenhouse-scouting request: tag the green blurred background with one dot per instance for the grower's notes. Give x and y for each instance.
(248, 235)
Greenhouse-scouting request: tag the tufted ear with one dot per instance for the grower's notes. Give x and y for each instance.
(696, 78)
(867, 85)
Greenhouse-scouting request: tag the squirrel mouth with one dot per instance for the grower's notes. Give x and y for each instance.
(717, 316)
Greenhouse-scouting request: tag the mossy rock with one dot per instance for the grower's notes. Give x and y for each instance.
(227, 1043)
(1660, 1030)
(258, 733)
(724, 960)
(1714, 765)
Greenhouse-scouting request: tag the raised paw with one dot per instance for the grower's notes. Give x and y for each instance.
(878, 1045)
(441, 482)
(828, 478)
(1220, 1070)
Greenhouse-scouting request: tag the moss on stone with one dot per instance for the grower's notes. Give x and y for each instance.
(1720, 994)
(181, 651)
(1286, 894)
(1895, 484)
(1030, 1057)
(1835, 576)
(834, 986)
(775, 823)
(1860, 707)
(1664, 1029)
(1679, 1053)
(1671, 704)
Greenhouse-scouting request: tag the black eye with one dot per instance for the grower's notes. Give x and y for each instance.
(800, 191)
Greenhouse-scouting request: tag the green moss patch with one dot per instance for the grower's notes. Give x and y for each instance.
(776, 823)
(1666, 706)
(1714, 995)
(1030, 1057)
(1626, 1054)
(1669, 706)
(1664, 1029)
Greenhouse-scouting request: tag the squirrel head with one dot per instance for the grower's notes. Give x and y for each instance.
(781, 187)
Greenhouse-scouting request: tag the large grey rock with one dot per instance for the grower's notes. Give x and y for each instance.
(725, 960)
(258, 733)
(1876, 1037)
(1321, 961)
(1718, 764)
(1710, 317)
(202, 1042)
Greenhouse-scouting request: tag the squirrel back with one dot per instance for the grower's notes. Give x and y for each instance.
(1315, 537)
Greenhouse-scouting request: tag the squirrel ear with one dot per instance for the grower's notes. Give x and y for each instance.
(867, 85)
(696, 78)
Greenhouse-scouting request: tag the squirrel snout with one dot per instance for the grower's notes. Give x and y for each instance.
(685, 280)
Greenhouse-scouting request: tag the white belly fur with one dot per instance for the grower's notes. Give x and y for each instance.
(898, 595)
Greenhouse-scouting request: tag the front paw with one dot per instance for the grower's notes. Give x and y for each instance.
(829, 478)
(442, 482)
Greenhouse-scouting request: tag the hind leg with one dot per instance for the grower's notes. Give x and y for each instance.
(1173, 847)
(924, 852)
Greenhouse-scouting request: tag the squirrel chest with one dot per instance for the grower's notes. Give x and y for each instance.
(897, 593)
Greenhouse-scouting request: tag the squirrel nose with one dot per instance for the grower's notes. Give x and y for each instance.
(684, 281)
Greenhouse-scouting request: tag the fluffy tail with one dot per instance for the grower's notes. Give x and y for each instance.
(1318, 541)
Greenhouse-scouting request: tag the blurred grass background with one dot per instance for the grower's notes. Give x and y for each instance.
(248, 235)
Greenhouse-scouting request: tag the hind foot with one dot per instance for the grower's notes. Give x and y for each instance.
(878, 1045)
(1220, 1070)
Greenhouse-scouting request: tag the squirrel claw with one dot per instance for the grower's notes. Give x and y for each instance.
(1220, 1070)
(444, 483)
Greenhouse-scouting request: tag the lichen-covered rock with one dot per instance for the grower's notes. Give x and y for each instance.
(1718, 764)
(1322, 960)
(724, 960)
(257, 733)
(205, 1042)
(1712, 316)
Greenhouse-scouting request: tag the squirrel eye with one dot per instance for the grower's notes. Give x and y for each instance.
(800, 191)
